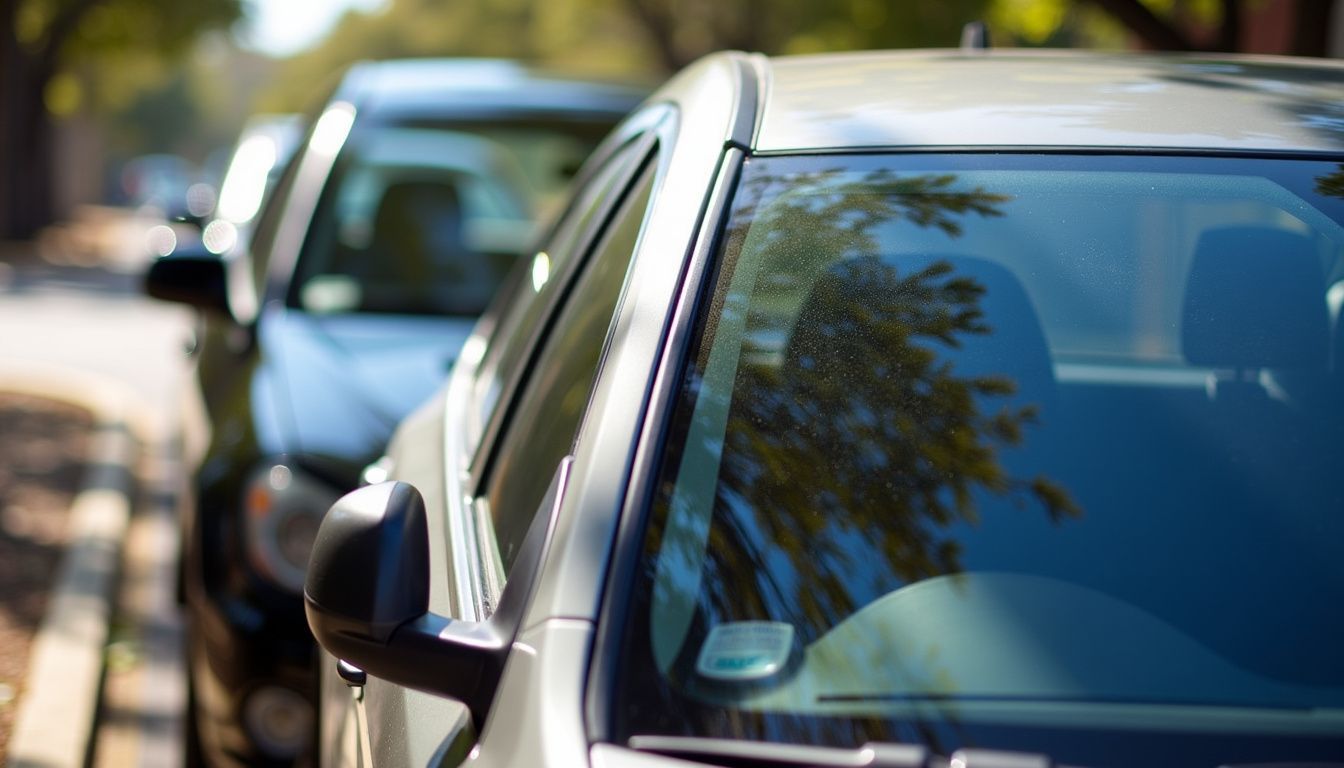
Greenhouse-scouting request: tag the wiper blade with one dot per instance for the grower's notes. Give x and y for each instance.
(738, 753)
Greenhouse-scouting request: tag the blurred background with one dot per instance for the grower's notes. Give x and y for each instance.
(117, 105)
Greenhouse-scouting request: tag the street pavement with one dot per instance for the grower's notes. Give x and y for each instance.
(83, 322)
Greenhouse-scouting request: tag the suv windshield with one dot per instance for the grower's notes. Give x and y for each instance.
(1008, 451)
(428, 217)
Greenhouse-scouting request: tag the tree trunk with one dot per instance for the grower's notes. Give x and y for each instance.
(1311, 27)
(11, 65)
(1229, 30)
(27, 133)
(26, 151)
(1151, 29)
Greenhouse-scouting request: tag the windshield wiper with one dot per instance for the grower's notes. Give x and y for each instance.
(738, 753)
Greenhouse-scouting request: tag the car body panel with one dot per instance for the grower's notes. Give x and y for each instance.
(544, 673)
(550, 706)
(1012, 99)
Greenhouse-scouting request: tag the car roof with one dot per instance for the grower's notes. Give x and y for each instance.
(1050, 99)
(429, 87)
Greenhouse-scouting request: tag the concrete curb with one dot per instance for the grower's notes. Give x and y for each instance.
(57, 712)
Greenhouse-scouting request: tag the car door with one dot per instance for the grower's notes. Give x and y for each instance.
(520, 408)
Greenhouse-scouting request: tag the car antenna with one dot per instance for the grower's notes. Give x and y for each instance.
(975, 36)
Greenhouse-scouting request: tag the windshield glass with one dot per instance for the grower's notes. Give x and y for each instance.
(429, 217)
(1008, 451)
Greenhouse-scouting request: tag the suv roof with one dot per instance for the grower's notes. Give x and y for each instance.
(428, 86)
(1050, 99)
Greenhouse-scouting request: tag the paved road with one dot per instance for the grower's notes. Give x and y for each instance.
(90, 325)
(94, 321)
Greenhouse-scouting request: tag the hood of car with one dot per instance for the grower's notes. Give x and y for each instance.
(341, 383)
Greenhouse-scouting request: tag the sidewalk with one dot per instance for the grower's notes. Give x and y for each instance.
(105, 681)
(84, 334)
(55, 722)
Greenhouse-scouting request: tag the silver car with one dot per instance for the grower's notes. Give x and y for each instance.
(892, 409)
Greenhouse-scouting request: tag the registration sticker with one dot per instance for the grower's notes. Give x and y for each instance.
(745, 650)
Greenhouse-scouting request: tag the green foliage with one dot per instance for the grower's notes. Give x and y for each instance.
(682, 30)
(106, 54)
(582, 37)
(163, 27)
(53, 53)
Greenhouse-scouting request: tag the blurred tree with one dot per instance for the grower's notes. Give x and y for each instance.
(43, 44)
(584, 37)
(1163, 25)
(682, 30)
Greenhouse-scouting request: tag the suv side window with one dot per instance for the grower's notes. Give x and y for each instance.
(542, 429)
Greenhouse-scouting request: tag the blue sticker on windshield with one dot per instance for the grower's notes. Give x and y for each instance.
(745, 650)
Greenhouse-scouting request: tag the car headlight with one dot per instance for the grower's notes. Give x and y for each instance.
(283, 508)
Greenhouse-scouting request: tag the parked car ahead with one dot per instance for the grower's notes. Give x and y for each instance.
(901, 409)
(408, 201)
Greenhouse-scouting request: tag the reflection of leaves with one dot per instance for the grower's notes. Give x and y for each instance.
(846, 466)
(1331, 184)
(831, 213)
(870, 439)
(824, 217)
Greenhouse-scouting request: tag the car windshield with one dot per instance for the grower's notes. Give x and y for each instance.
(1011, 451)
(428, 217)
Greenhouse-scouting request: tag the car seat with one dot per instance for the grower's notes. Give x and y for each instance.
(418, 260)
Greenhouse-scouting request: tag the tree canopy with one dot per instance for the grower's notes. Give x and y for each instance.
(55, 55)
(59, 56)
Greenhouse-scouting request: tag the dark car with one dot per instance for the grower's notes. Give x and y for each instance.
(910, 409)
(405, 206)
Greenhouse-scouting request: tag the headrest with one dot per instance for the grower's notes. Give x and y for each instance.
(1255, 298)
(870, 300)
(418, 214)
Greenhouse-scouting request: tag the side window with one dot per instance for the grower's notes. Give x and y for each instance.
(408, 223)
(511, 344)
(542, 429)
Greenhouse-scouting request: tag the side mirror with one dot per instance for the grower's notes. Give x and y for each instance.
(191, 275)
(367, 596)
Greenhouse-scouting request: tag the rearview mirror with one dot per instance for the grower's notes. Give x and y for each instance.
(367, 596)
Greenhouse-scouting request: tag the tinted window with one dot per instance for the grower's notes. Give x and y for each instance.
(511, 343)
(413, 221)
(428, 216)
(546, 420)
(1006, 452)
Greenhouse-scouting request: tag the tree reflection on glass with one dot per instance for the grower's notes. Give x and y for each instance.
(1331, 184)
(850, 455)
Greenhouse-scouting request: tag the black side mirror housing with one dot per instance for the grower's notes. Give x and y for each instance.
(367, 596)
(192, 276)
